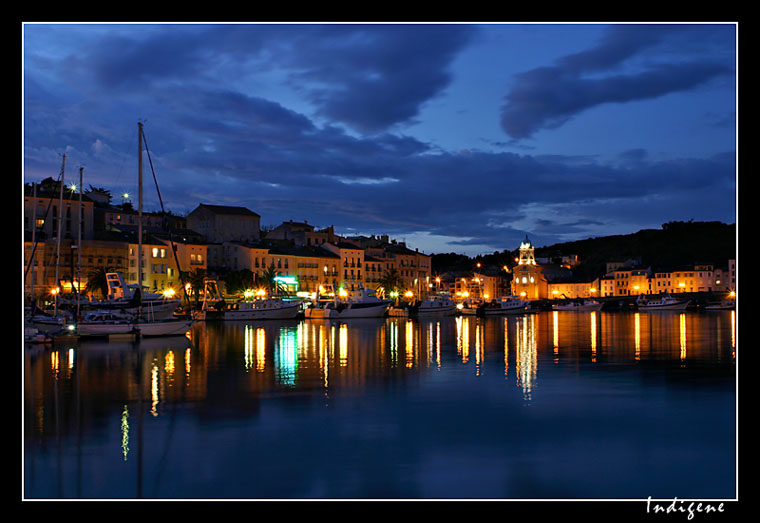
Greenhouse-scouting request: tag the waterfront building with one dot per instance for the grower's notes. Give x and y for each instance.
(43, 209)
(561, 289)
(222, 223)
(351, 264)
(528, 280)
(302, 234)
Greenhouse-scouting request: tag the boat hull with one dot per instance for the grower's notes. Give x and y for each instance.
(666, 307)
(437, 311)
(318, 313)
(275, 313)
(579, 308)
(95, 329)
(164, 328)
(500, 311)
(362, 311)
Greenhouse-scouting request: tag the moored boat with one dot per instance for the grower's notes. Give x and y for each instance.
(356, 304)
(104, 323)
(436, 304)
(360, 304)
(580, 305)
(665, 302)
(172, 327)
(505, 305)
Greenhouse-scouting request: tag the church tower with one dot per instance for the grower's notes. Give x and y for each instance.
(528, 281)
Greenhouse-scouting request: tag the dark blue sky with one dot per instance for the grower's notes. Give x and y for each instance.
(454, 137)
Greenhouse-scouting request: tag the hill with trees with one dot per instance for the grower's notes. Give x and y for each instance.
(676, 245)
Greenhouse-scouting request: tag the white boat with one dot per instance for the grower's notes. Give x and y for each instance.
(128, 299)
(324, 311)
(578, 305)
(665, 302)
(260, 309)
(104, 323)
(357, 304)
(437, 304)
(505, 305)
(214, 307)
(173, 327)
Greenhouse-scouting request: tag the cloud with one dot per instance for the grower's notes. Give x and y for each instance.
(631, 63)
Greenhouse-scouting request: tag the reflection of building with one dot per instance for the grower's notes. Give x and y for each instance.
(528, 279)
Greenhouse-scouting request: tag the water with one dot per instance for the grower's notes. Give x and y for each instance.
(554, 405)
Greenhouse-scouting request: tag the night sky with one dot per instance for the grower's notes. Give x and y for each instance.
(453, 137)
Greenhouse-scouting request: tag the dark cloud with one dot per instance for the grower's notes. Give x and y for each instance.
(624, 67)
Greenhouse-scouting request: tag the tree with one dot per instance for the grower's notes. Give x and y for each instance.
(237, 282)
(96, 281)
(196, 278)
(391, 281)
(268, 276)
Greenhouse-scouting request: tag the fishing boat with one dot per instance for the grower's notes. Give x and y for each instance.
(321, 311)
(436, 304)
(580, 305)
(665, 302)
(505, 305)
(261, 307)
(354, 304)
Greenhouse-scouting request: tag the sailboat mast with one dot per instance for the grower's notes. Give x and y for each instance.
(58, 248)
(139, 206)
(79, 242)
(34, 233)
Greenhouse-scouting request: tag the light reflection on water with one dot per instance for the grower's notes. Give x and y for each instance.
(391, 408)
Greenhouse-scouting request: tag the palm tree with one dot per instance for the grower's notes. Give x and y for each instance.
(96, 281)
(268, 275)
(391, 281)
(196, 279)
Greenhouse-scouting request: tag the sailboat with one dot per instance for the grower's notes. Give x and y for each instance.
(130, 310)
(152, 326)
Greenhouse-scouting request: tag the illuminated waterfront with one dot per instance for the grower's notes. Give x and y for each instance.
(547, 405)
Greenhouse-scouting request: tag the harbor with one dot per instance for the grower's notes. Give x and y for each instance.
(548, 405)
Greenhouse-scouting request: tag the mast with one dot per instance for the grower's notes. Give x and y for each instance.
(79, 243)
(60, 223)
(139, 207)
(34, 233)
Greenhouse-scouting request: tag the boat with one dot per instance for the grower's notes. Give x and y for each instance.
(44, 322)
(466, 310)
(171, 327)
(324, 311)
(723, 305)
(214, 307)
(505, 305)
(355, 304)
(581, 305)
(665, 302)
(436, 304)
(129, 299)
(104, 323)
(261, 309)
(398, 312)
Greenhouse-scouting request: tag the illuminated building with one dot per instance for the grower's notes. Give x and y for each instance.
(528, 279)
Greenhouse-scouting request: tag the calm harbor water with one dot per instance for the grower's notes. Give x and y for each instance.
(553, 405)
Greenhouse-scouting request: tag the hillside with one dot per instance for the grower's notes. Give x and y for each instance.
(675, 245)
